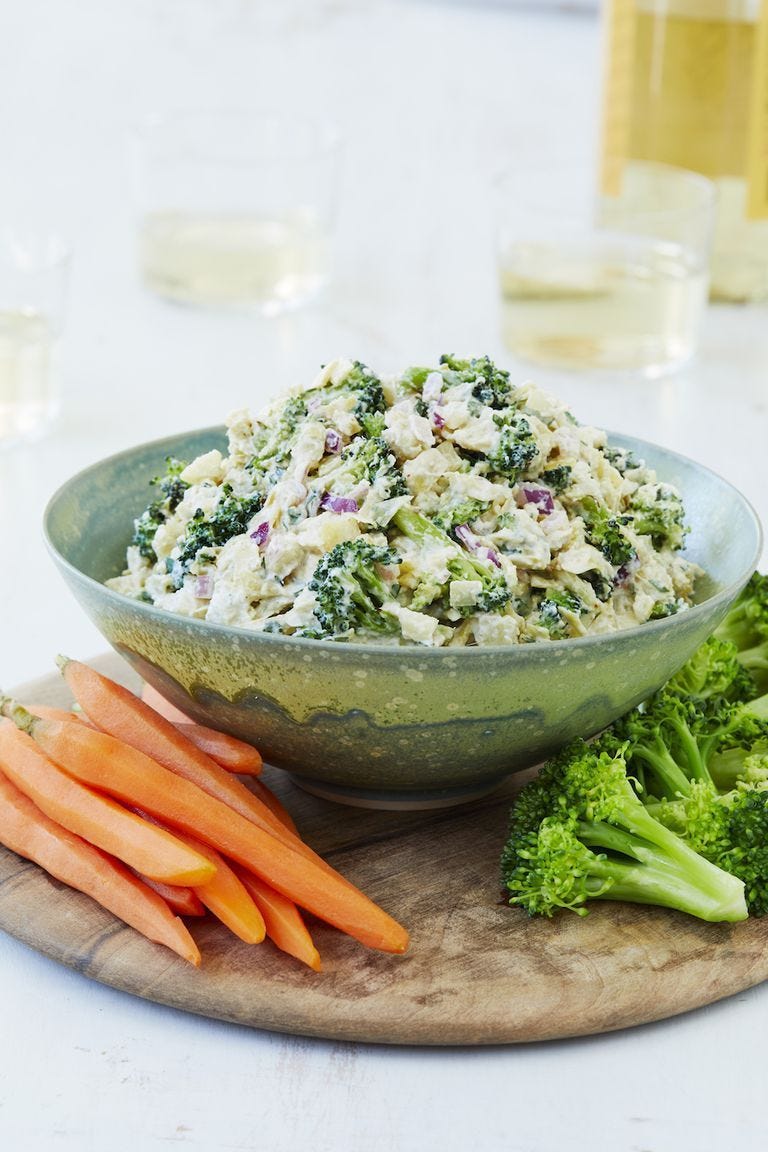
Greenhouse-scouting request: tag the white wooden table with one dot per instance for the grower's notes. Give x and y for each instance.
(432, 98)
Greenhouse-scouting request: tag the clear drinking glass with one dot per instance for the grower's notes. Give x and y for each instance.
(615, 283)
(34, 272)
(236, 208)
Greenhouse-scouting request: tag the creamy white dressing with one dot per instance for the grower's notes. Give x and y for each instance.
(569, 532)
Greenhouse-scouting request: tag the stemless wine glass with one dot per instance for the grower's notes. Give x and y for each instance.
(612, 282)
(34, 269)
(236, 208)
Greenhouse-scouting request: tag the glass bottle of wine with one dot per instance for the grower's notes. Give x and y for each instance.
(686, 83)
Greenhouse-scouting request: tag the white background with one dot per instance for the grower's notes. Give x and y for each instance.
(432, 99)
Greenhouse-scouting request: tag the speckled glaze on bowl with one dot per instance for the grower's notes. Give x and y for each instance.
(390, 726)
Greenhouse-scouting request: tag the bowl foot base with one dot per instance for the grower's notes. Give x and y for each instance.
(395, 801)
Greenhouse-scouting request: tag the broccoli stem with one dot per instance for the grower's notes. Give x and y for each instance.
(755, 660)
(757, 707)
(727, 767)
(641, 884)
(737, 627)
(659, 759)
(667, 867)
(418, 528)
(674, 852)
(691, 750)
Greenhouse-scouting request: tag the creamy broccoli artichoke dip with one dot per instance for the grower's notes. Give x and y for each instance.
(444, 506)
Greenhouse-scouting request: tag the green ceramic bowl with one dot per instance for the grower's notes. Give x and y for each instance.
(383, 726)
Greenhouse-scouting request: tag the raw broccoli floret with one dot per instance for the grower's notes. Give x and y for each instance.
(746, 621)
(730, 829)
(645, 733)
(730, 769)
(706, 755)
(657, 511)
(350, 591)
(672, 741)
(229, 518)
(462, 565)
(713, 670)
(515, 449)
(746, 626)
(172, 488)
(605, 532)
(579, 832)
(694, 758)
(744, 737)
(490, 384)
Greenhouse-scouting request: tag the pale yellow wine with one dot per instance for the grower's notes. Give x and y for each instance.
(692, 101)
(629, 305)
(27, 380)
(251, 261)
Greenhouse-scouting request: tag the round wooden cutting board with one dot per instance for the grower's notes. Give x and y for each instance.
(477, 971)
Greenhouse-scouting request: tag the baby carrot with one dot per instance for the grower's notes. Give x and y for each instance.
(230, 753)
(106, 763)
(180, 900)
(158, 702)
(115, 710)
(233, 754)
(26, 830)
(96, 818)
(227, 898)
(47, 712)
(284, 923)
(276, 807)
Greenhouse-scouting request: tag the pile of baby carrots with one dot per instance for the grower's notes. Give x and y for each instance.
(148, 815)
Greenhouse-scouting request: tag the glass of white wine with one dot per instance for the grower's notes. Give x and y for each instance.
(34, 272)
(615, 283)
(236, 208)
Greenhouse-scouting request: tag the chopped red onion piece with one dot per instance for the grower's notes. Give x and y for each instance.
(204, 586)
(624, 573)
(338, 503)
(332, 441)
(437, 419)
(261, 533)
(466, 535)
(540, 497)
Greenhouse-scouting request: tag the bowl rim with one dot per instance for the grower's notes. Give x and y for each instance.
(401, 651)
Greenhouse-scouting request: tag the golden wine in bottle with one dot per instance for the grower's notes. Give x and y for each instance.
(686, 84)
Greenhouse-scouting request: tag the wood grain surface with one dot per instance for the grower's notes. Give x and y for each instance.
(477, 971)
